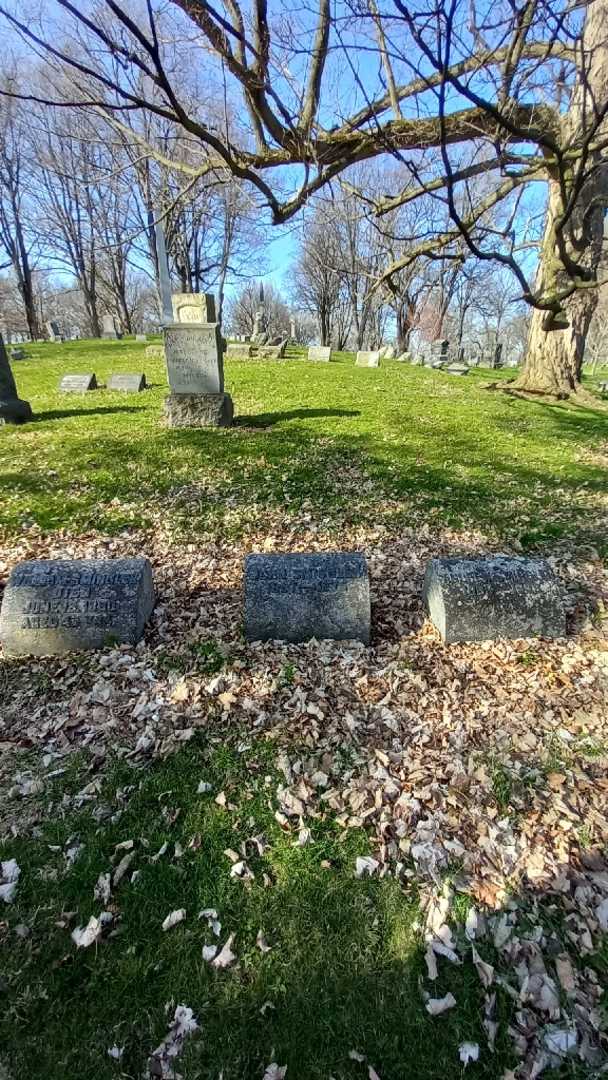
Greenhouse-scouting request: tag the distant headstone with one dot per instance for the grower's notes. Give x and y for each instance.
(12, 409)
(154, 352)
(494, 597)
(319, 352)
(53, 330)
(78, 384)
(382, 351)
(54, 606)
(141, 337)
(128, 383)
(403, 358)
(292, 328)
(367, 358)
(239, 351)
(456, 369)
(298, 597)
(108, 327)
(193, 307)
(438, 364)
(603, 386)
(389, 352)
(18, 354)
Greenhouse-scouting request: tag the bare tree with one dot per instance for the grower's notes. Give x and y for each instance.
(17, 237)
(245, 303)
(522, 88)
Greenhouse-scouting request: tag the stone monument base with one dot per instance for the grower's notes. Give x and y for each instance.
(15, 411)
(199, 410)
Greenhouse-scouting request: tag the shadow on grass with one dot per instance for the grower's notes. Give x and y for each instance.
(268, 419)
(102, 410)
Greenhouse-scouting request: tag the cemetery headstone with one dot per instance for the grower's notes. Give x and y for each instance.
(12, 409)
(493, 597)
(78, 384)
(297, 597)
(17, 354)
(155, 352)
(382, 351)
(320, 352)
(193, 307)
(128, 383)
(53, 330)
(141, 337)
(456, 369)
(389, 353)
(292, 328)
(367, 358)
(239, 350)
(108, 327)
(53, 606)
(193, 352)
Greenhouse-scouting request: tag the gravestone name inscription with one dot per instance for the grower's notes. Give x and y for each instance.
(319, 352)
(78, 384)
(498, 596)
(128, 383)
(54, 606)
(194, 358)
(367, 358)
(296, 597)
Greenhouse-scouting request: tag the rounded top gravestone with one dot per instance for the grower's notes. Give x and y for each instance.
(56, 606)
(297, 597)
(499, 596)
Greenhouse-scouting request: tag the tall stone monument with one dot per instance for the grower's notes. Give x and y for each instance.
(260, 325)
(193, 352)
(12, 409)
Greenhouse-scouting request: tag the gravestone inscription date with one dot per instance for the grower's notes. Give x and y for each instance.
(55, 606)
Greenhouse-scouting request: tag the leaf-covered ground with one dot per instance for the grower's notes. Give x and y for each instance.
(400, 849)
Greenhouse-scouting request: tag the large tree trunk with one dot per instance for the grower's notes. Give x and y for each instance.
(554, 358)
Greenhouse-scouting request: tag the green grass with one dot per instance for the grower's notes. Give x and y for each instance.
(343, 974)
(393, 445)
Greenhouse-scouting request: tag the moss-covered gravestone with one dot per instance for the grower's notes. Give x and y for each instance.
(12, 409)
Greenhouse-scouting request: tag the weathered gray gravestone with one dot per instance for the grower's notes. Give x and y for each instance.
(78, 384)
(239, 350)
(195, 368)
(319, 352)
(367, 358)
(12, 409)
(141, 337)
(128, 382)
(298, 597)
(456, 369)
(494, 597)
(108, 327)
(193, 307)
(17, 354)
(52, 606)
(53, 330)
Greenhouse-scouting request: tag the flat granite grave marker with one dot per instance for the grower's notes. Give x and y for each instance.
(78, 384)
(319, 352)
(54, 606)
(498, 596)
(129, 382)
(297, 597)
(368, 358)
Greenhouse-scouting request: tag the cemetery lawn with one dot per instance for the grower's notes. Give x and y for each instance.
(397, 445)
(376, 828)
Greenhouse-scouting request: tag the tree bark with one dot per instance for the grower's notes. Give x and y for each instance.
(554, 358)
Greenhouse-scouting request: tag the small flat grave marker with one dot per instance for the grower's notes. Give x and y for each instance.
(78, 384)
(495, 597)
(128, 383)
(52, 606)
(298, 597)
(320, 352)
(368, 358)
(457, 369)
